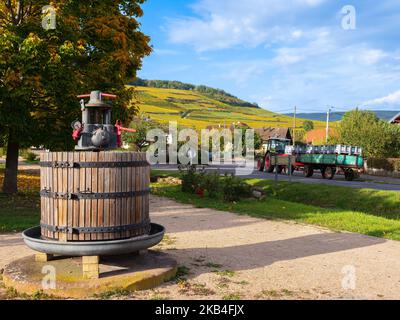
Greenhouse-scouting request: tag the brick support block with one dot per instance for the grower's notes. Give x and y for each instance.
(43, 257)
(90, 267)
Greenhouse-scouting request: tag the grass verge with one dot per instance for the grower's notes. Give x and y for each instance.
(365, 211)
(21, 211)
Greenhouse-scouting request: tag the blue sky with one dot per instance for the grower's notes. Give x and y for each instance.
(278, 53)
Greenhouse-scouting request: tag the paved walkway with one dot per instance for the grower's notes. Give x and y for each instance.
(231, 256)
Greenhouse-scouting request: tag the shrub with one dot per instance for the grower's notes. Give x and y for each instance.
(396, 164)
(212, 184)
(191, 179)
(235, 188)
(30, 156)
(388, 164)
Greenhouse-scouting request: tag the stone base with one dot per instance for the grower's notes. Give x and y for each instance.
(128, 272)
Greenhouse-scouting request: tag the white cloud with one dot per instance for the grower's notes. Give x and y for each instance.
(166, 52)
(392, 99)
(229, 23)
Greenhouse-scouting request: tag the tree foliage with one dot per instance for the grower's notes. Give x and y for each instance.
(96, 45)
(308, 125)
(363, 128)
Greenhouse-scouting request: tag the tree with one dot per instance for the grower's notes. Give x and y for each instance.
(308, 125)
(363, 128)
(96, 45)
(139, 138)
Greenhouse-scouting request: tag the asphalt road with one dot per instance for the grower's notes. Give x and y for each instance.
(365, 181)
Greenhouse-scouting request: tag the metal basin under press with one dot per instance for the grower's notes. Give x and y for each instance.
(33, 240)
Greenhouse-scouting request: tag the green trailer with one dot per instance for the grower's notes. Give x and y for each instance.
(276, 158)
(329, 164)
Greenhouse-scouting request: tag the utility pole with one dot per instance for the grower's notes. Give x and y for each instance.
(294, 125)
(327, 123)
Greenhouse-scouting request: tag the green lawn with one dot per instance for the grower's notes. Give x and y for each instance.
(365, 211)
(23, 210)
(19, 212)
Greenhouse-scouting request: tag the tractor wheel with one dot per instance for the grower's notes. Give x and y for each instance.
(268, 167)
(328, 172)
(349, 175)
(260, 164)
(308, 171)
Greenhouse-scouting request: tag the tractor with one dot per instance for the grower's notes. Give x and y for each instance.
(274, 146)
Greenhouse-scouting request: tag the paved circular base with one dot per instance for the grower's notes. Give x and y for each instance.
(128, 272)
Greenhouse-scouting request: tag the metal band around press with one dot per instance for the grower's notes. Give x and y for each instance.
(92, 195)
(103, 164)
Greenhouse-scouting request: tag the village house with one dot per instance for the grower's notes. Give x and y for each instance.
(395, 119)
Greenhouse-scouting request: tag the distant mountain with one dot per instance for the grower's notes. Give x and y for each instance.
(337, 116)
(216, 94)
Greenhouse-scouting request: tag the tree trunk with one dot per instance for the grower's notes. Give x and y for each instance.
(10, 177)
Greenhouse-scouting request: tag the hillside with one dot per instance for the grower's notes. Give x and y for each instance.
(216, 94)
(191, 108)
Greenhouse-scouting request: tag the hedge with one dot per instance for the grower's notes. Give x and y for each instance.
(389, 164)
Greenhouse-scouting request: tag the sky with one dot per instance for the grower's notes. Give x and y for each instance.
(306, 53)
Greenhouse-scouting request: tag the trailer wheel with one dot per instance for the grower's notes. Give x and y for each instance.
(349, 175)
(260, 164)
(328, 172)
(308, 171)
(279, 169)
(268, 167)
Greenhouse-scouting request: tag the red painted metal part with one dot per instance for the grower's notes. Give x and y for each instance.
(106, 95)
(77, 134)
(120, 128)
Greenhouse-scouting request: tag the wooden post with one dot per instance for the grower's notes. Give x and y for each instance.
(43, 257)
(90, 267)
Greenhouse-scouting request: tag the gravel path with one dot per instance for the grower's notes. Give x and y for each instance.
(224, 255)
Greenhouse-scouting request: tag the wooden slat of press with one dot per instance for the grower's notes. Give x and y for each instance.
(43, 204)
(137, 188)
(122, 200)
(132, 212)
(124, 186)
(140, 188)
(100, 202)
(133, 188)
(50, 184)
(142, 173)
(94, 202)
(70, 203)
(112, 189)
(88, 202)
(128, 188)
(147, 185)
(75, 203)
(57, 175)
(118, 212)
(63, 203)
(106, 211)
(82, 184)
